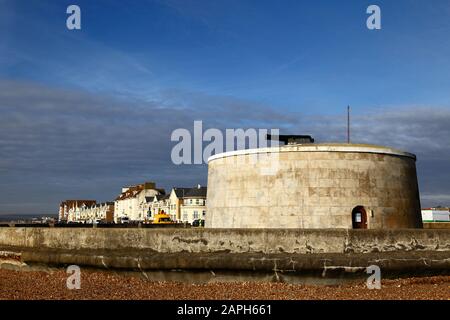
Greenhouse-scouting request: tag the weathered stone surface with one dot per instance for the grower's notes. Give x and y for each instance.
(326, 263)
(267, 241)
(278, 250)
(313, 186)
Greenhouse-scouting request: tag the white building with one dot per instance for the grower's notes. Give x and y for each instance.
(100, 212)
(176, 201)
(182, 204)
(194, 204)
(103, 212)
(436, 215)
(170, 204)
(68, 208)
(157, 204)
(132, 201)
(139, 203)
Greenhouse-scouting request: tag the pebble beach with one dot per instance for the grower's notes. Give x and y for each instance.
(98, 285)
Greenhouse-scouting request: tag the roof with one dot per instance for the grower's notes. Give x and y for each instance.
(103, 204)
(160, 197)
(320, 147)
(149, 199)
(180, 192)
(133, 191)
(78, 202)
(196, 192)
(161, 190)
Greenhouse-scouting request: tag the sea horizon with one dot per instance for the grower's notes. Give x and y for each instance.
(19, 216)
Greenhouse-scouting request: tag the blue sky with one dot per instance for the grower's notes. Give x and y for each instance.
(290, 54)
(137, 60)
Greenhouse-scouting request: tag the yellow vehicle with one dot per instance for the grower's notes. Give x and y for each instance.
(162, 218)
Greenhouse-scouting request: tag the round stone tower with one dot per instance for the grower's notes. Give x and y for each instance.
(314, 186)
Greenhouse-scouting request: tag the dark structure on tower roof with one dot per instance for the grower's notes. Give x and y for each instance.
(291, 139)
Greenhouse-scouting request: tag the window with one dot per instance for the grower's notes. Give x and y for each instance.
(185, 217)
(204, 213)
(195, 215)
(359, 218)
(197, 201)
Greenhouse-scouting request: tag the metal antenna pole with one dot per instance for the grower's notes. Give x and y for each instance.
(348, 124)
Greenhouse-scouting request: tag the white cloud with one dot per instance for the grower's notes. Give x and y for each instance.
(58, 143)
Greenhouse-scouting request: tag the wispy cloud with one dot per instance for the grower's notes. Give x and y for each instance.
(59, 143)
(84, 112)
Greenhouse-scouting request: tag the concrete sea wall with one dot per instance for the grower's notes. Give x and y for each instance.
(436, 225)
(293, 250)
